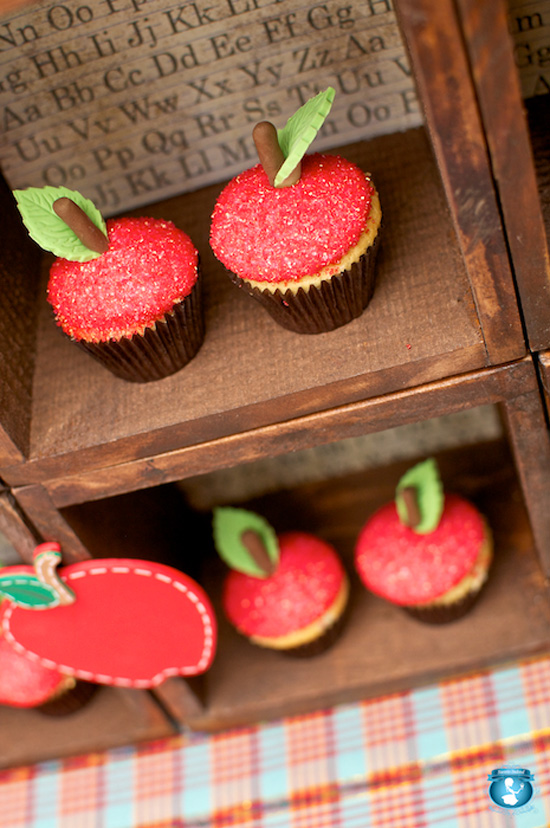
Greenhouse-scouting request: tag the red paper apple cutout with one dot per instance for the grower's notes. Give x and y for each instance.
(123, 622)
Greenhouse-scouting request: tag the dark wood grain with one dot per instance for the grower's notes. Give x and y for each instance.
(497, 83)
(376, 414)
(538, 117)
(150, 524)
(182, 698)
(543, 367)
(421, 325)
(37, 505)
(525, 418)
(19, 278)
(442, 74)
(15, 527)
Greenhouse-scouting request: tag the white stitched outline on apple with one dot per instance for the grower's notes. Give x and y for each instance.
(158, 619)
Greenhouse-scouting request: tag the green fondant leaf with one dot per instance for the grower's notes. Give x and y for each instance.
(300, 130)
(50, 231)
(228, 525)
(27, 591)
(424, 478)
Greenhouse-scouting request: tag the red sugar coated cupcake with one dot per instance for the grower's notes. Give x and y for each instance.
(150, 266)
(137, 307)
(307, 251)
(296, 604)
(275, 235)
(436, 575)
(127, 291)
(24, 683)
(300, 233)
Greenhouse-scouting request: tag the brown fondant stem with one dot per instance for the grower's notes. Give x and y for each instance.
(271, 155)
(411, 505)
(256, 548)
(82, 226)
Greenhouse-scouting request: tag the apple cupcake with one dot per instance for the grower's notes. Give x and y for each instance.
(28, 684)
(300, 234)
(287, 593)
(128, 291)
(25, 683)
(427, 552)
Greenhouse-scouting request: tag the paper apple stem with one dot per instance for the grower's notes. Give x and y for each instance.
(82, 226)
(253, 542)
(271, 155)
(46, 558)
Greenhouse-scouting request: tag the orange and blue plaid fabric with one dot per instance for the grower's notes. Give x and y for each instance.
(419, 759)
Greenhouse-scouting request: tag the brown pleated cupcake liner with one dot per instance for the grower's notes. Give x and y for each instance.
(444, 614)
(324, 307)
(321, 644)
(69, 701)
(159, 351)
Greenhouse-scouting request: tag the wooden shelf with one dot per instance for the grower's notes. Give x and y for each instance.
(521, 180)
(420, 326)
(112, 718)
(382, 650)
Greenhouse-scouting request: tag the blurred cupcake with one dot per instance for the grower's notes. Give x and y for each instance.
(29, 684)
(287, 593)
(427, 552)
(128, 291)
(300, 236)
(70, 698)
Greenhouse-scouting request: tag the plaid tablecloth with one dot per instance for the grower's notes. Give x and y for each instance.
(419, 758)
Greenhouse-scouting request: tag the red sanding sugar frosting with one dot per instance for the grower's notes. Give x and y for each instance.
(24, 683)
(149, 267)
(271, 234)
(305, 584)
(408, 568)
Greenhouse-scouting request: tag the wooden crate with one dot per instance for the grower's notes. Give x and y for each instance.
(506, 42)
(381, 650)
